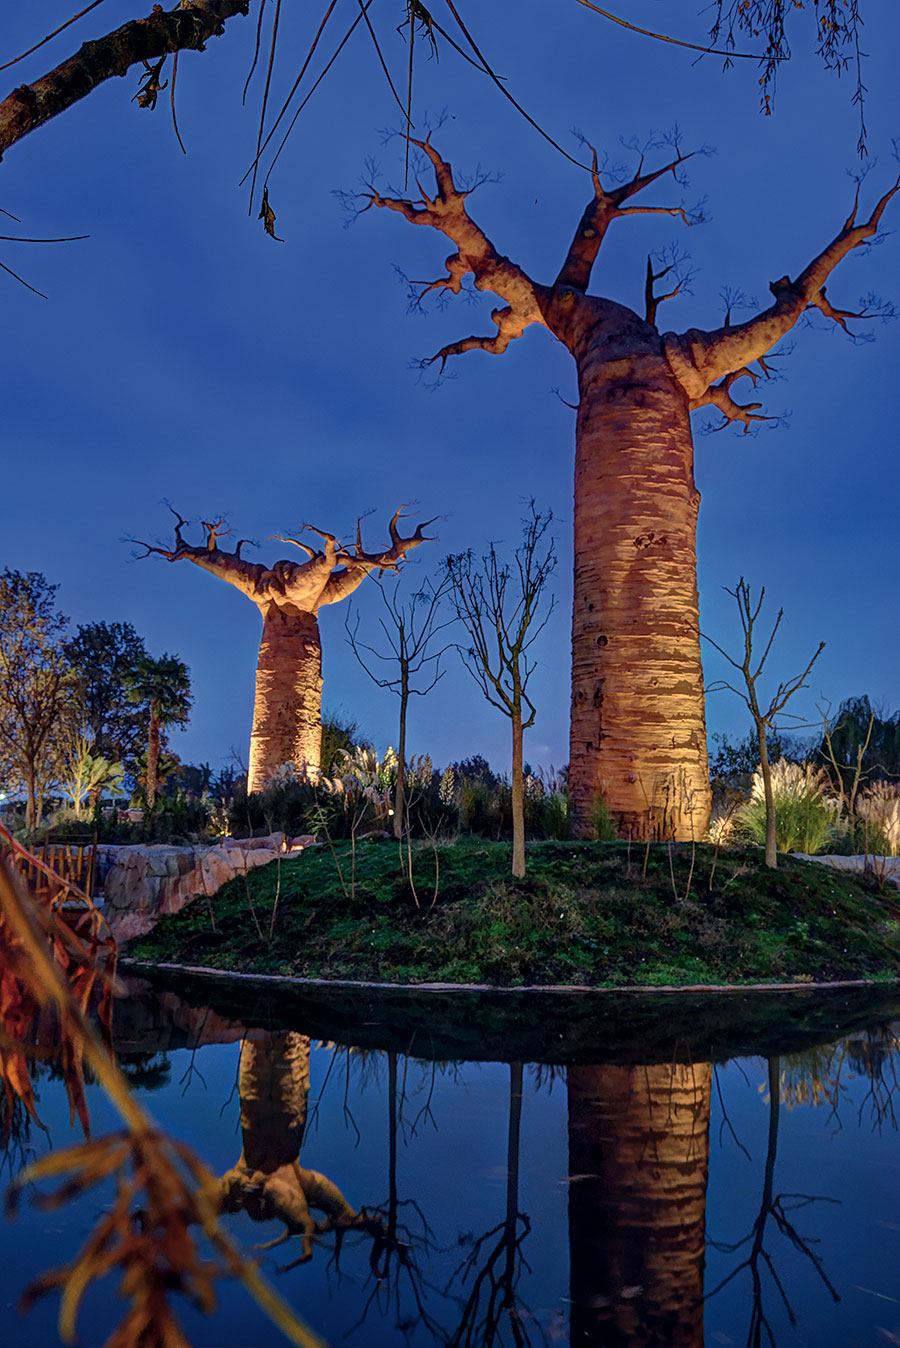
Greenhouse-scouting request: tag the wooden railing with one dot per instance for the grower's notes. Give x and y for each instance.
(65, 871)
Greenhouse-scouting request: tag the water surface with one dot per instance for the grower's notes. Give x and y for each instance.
(676, 1172)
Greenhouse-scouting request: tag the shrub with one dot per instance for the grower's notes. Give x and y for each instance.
(806, 816)
(879, 809)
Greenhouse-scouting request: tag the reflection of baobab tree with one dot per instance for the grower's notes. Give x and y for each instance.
(492, 1267)
(268, 1182)
(638, 1163)
(774, 1216)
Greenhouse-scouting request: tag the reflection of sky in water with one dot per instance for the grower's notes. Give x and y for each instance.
(452, 1161)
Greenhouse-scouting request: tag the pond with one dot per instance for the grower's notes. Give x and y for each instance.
(520, 1170)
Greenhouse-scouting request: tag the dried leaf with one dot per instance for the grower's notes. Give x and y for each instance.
(267, 215)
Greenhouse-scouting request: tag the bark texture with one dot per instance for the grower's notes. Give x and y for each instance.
(638, 740)
(638, 1165)
(638, 733)
(287, 712)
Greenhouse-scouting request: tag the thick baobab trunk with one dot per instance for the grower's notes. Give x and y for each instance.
(287, 725)
(638, 732)
(639, 1163)
(268, 1182)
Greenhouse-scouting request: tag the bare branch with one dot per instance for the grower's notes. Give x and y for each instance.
(358, 563)
(446, 211)
(599, 214)
(719, 396)
(698, 359)
(287, 538)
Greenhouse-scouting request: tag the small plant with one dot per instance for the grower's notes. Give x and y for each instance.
(602, 826)
(806, 814)
(879, 809)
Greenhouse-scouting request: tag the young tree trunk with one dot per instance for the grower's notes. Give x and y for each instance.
(765, 769)
(31, 811)
(287, 712)
(400, 794)
(518, 805)
(639, 1149)
(638, 731)
(153, 757)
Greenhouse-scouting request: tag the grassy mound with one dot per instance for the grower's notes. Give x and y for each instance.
(595, 914)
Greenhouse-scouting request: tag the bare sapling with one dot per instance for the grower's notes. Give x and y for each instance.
(406, 659)
(431, 832)
(501, 608)
(750, 667)
(847, 790)
(323, 824)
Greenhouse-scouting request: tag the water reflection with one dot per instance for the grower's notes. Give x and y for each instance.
(638, 1169)
(674, 1204)
(268, 1182)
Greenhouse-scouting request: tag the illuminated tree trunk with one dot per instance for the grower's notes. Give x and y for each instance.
(638, 1164)
(287, 713)
(638, 733)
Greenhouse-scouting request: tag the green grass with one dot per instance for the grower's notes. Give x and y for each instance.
(586, 914)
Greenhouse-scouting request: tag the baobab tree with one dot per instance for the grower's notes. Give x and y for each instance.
(287, 714)
(638, 733)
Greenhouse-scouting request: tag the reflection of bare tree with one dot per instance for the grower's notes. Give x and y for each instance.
(268, 1181)
(638, 1163)
(492, 1267)
(821, 1076)
(774, 1207)
(392, 1258)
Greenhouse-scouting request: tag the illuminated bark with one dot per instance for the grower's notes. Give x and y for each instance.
(287, 726)
(638, 739)
(638, 735)
(638, 1164)
(287, 715)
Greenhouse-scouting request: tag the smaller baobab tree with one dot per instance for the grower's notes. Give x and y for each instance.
(287, 714)
(501, 609)
(409, 631)
(750, 666)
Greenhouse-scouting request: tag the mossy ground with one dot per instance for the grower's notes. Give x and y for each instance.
(595, 914)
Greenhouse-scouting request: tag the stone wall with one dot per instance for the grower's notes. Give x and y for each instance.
(140, 882)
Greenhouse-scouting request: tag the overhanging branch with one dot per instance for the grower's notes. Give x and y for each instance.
(142, 40)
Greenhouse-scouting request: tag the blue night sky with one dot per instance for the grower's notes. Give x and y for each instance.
(184, 355)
